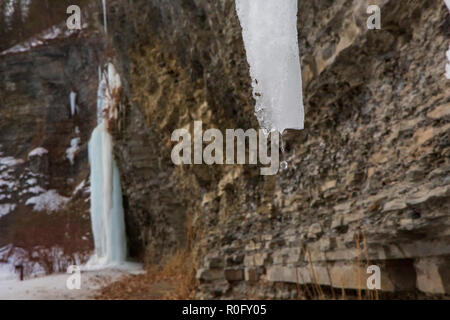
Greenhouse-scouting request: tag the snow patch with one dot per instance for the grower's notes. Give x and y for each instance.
(49, 201)
(38, 152)
(10, 161)
(52, 33)
(6, 209)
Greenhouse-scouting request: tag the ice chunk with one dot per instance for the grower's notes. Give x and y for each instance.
(269, 31)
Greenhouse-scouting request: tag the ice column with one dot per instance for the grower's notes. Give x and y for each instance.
(107, 214)
(269, 30)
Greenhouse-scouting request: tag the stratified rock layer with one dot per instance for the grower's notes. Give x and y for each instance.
(368, 179)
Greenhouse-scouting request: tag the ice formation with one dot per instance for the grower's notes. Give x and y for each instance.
(269, 31)
(74, 147)
(107, 215)
(72, 98)
(105, 18)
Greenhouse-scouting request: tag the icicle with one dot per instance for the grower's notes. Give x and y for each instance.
(105, 18)
(73, 98)
(269, 30)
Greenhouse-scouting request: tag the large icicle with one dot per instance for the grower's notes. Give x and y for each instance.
(269, 30)
(106, 195)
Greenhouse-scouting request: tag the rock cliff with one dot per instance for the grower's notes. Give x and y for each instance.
(368, 180)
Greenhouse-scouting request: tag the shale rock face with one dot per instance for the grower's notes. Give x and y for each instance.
(37, 129)
(368, 179)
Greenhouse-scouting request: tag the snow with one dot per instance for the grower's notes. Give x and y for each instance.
(74, 147)
(35, 190)
(269, 31)
(9, 184)
(6, 209)
(48, 201)
(73, 98)
(38, 152)
(10, 161)
(54, 287)
(31, 181)
(55, 32)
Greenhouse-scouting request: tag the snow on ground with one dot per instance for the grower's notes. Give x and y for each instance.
(54, 287)
(49, 201)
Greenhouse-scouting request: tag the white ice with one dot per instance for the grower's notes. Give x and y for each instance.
(269, 30)
(72, 98)
(74, 147)
(107, 216)
(105, 18)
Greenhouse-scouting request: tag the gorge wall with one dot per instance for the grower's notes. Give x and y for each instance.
(367, 181)
(368, 178)
(43, 149)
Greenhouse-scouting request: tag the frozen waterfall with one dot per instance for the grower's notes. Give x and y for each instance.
(269, 31)
(107, 214)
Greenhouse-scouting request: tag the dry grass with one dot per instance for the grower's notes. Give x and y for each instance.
(316, 291)
(175, 280)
